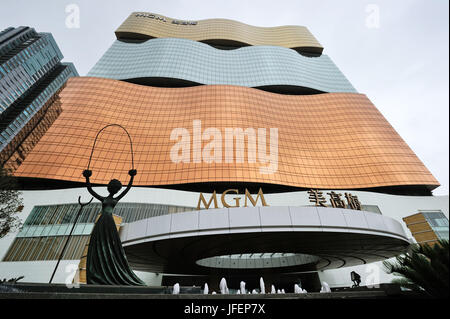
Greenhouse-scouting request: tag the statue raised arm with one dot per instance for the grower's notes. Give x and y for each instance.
(87, 174)
(132, 173)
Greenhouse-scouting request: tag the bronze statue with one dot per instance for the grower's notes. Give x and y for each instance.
(106, 260)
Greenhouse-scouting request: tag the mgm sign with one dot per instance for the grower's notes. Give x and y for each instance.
(248, 197)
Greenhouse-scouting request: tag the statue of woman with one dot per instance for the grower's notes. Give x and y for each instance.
(106, 260)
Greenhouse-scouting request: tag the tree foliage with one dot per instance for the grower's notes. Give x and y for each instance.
(10, 203)
(424, 267)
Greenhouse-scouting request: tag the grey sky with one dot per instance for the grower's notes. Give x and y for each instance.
(402, 65)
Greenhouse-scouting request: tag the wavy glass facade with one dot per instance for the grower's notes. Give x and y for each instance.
(222, 32)
(170, 61)
(31, 73)
(329, 141)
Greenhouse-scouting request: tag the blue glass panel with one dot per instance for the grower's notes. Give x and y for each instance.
(253, 66)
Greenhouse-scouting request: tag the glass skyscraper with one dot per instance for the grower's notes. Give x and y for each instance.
(31, 73)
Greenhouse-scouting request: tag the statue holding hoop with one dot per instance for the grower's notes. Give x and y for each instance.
(107, 263)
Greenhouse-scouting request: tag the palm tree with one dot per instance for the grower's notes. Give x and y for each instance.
(424, 268)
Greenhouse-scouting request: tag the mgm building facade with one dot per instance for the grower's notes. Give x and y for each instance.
(256, 157)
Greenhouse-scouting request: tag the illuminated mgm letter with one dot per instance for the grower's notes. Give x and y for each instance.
(236, 199)
(212, 151)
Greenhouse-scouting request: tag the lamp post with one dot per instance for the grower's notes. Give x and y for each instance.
(70, 234)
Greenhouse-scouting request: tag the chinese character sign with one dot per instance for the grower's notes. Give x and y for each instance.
(336, 200)
(316, 197)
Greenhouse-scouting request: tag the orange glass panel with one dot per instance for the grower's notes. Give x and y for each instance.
(332, 140)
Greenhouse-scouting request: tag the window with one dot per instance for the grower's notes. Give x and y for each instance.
(439, 223)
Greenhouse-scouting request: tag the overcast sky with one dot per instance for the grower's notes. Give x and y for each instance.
(395, 52)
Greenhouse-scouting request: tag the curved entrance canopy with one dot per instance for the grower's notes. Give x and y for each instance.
(282, 239)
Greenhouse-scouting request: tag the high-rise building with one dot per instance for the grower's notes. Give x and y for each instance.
(428, 227)
(255, 157)
(31, 73)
